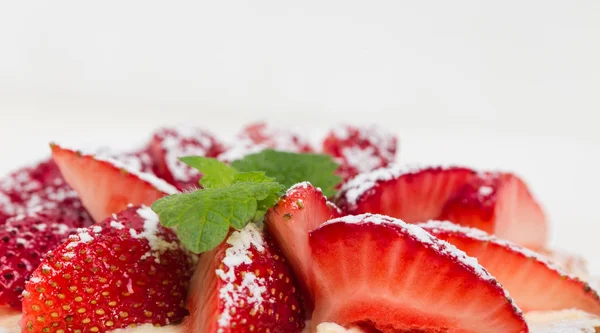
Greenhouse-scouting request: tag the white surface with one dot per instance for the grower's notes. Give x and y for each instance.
(509, 84)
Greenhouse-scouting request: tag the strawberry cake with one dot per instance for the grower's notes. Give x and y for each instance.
(270, 234)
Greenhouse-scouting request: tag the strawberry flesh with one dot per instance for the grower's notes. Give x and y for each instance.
(124, 271)
(244, 285)
(501, 204)
(379, 272)
(412, 195)
(301, 210)
(24, 240)
(360, 149)
(107, 186)
(533, 282)
(169, 144)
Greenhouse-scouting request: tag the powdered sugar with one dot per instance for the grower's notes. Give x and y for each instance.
(82, 237)
(565, 321)
(238, 253)
(158, 183)
(362, 159)
(158, 245)
(241, 149)
(116, 225)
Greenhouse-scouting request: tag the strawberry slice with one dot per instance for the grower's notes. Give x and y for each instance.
(36, 188)
(244, 285)
(139, 160)
(412, 195)
(532, 280)
(272, 137)
(124, 271)
(169, 144)
(106, 186)
(379, 272)
(24, 241)
(501, 204)
(360, 149)
(302, 209)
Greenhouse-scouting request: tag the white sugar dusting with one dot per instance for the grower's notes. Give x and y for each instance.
(362, 159)
(241, 149)
(485, 191)
(158, 245)
(233, 291)
(116, 225)
(156, 182)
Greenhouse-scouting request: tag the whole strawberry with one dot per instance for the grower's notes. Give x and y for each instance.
(124, 271)
(24, 241)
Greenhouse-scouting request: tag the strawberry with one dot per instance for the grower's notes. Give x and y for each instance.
(499, 203)
(412, 195)
(169, 144)
(24, 241)
(380, 272)
(244, 285)
(124, 271)
(107, 186)
(535, 283)
(139, 160)
(275, 138)
(360, 149)
(302, 209)
(571, 263)
(37, 188)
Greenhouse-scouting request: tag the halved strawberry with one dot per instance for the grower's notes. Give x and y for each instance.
(107, 186)
(24, 240)
(376, 271)
(169, 144)
(501, 204)
(36, 188)
(124, 271)
(534, 282)
(360, 149)
(302, 209)
(244, 285)
(412, 195)
(283, 139)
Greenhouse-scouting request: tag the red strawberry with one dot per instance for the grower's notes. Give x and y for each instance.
(500, 204)
(24, 241)
(37, 188)
(534, 283)
(360, 149)
(124, 271)
(301, 210)
(276, 138)
(412, 195)
(572, 263)
(244, 285)
(107, 186)
(139, 160)
(169, 144)
(395, 277)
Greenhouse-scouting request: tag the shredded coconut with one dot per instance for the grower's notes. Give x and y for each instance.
(158, 245)
(116, 225)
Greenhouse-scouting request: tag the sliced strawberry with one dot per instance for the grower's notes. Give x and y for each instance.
(360, 149)
(24, 241)
(301, 210)
(373, 270)
(244, 285)
(412, 195)
(571, 263)
(36, 188)
(499, 203)
(169, 144)
(535, 283)
(139, 160)
(124, 271)
(107, 186)
(272, 137)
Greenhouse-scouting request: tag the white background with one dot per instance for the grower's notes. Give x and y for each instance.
(491, 84)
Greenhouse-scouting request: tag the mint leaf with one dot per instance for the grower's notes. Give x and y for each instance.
(203, 218)
(253, 177)
(291, 168)
(214, 172)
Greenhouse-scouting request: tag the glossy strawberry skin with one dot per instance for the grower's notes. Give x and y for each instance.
(501, 204)
(239, 289)
(534, 282)
(106, 186)
(126, 270)
(378, 272)
(23, 243)
(360, 149)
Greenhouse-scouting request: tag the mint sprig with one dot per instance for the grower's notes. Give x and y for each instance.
(232, 196)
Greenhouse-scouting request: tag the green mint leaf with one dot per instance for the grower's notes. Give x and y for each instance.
(252, 177)
(214, 172)
(291, 168)
(203, 218)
